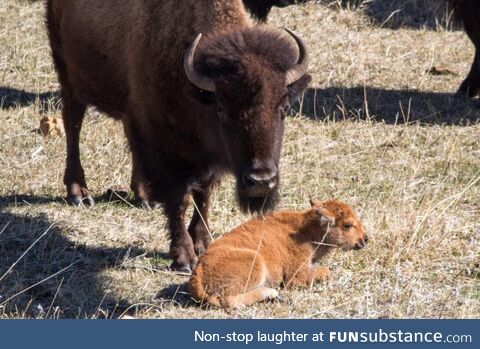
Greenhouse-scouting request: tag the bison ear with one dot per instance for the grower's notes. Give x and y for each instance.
(295, 89)
(325, 216)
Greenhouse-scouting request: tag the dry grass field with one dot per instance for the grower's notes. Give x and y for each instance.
(375, 129)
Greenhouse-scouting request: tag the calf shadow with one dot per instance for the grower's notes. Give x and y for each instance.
(13, 98)
(45, 274)
(389, 106)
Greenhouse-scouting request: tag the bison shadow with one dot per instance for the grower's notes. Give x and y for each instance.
(13, 98)
(178, 295)
(397, 14)
(389, 106)
(57, 277)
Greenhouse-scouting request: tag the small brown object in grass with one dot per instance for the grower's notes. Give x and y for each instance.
(50, 126)
(242, 267)
(440, 70)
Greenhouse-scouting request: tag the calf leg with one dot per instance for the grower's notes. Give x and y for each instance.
(181, 246)
(198, 228)
(74, 178)
(256, 295)
(306, 276)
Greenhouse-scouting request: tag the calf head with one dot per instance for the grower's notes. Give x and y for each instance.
(338, 225)
(253, 76)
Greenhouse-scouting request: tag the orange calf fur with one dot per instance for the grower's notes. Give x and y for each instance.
(241, 268)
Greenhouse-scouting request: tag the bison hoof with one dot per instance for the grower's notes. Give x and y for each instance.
(199, 250)
(149, 206)
(277, 299)
(201, 246)
(181, 269)
(81, 201)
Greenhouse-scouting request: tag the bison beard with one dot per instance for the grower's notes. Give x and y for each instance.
(262, 204)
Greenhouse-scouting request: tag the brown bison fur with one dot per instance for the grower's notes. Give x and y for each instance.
(242, 267)
(468, 11)
(188, 120)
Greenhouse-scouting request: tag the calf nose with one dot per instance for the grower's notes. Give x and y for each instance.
(361, 243)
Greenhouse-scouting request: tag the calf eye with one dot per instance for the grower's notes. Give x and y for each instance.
(347, 226)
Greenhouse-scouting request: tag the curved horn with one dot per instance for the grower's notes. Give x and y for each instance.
(195, 78)
(294, 74)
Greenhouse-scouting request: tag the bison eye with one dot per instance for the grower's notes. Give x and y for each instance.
(347, 226)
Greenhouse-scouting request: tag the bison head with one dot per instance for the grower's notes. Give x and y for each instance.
(252, 76)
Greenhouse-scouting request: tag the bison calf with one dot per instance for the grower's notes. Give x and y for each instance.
(242, 267)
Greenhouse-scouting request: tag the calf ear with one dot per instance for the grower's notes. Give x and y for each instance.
(295, 89)
(325, 216)
(315, 202)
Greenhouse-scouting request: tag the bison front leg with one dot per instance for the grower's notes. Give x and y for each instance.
(74, 177)
(181, 246)
(199, 229)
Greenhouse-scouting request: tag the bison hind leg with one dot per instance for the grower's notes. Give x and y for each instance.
(471, 86)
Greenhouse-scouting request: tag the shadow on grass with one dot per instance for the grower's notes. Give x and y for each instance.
(13, 98)
(44, 274)
(396, 14)
(119, 198)
(178, 295)
(389, 106)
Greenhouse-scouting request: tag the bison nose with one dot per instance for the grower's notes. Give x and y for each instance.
(260, 180)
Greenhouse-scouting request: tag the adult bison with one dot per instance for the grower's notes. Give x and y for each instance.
(469, 12)
(192, 107)
(261, 8)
